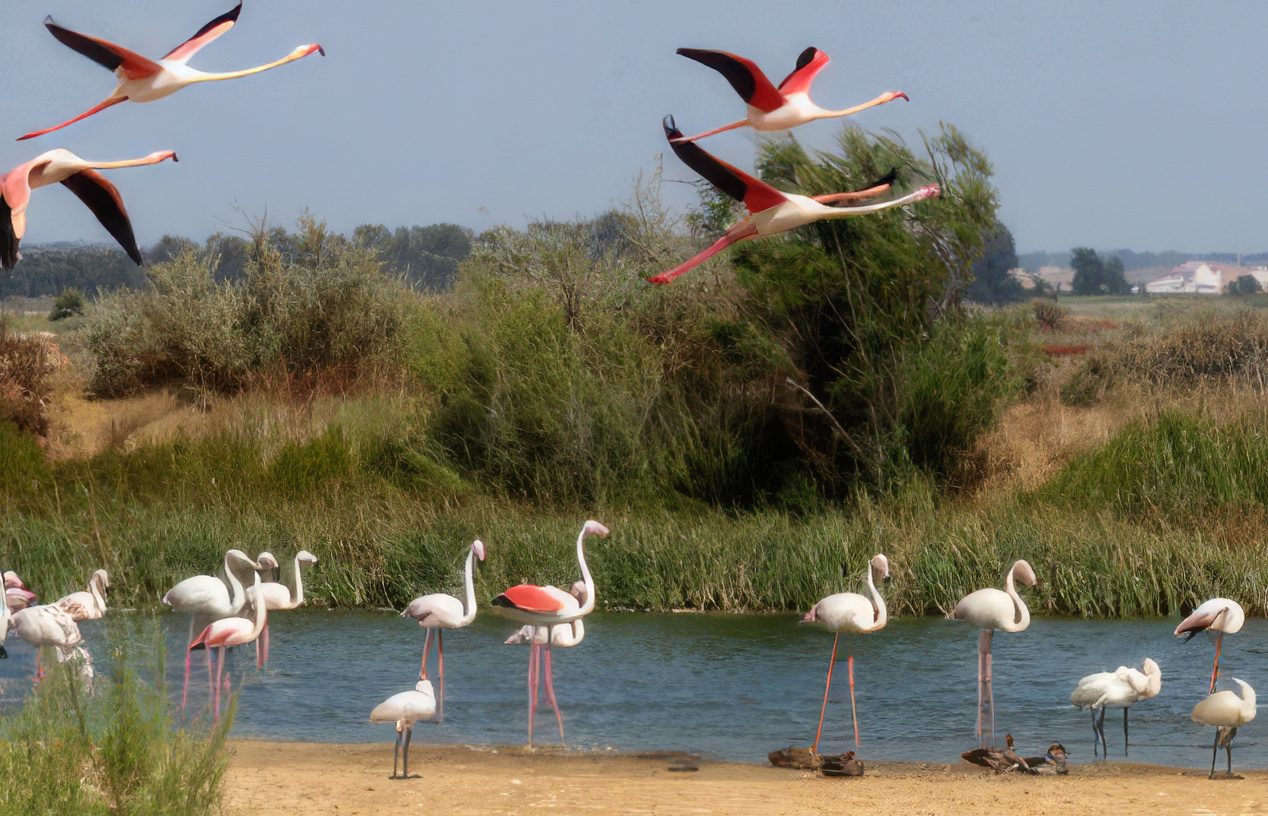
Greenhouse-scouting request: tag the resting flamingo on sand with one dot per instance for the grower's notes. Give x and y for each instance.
(771, 107)
(549, 607)
(1220, 615)
(90, 604)
(438, 612)
(226, 632)
(142, 79)
(405, 709)
(771, 212)
(854, 614)
(1121, 688)
(276, 595)
(1227, 712)
(81, 178)
(988, 610)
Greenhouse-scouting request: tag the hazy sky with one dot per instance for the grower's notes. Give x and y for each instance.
(1108, 125)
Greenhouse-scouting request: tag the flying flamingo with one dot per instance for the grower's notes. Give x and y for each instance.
(988, 610)
(405, 709)
(91, 604)
(82, 179)
(16, 595)
(438, 612)
(224, 633)
(142, 79)
(770, 107)
(549, 607)
(1117, 689)
(1220, 615)
(771, 212)
(1227, 712)
(855, 614)
(277, 595)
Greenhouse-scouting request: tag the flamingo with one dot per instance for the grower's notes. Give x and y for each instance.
(277, 595)
(770, 107)
(855, 614)
(144, 80)
(438, 612)
(89, 605)
(988, 610)
(82, 179)
(771, 212)
(1220, 615)
(1121, 688)
(405, 709)
(1227, 712)
(565, 636)
(5, 615)
(226, 632)
(51, 626)
(16, 595)
(549, 606)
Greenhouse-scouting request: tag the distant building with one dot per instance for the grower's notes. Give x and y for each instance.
(1204, 278)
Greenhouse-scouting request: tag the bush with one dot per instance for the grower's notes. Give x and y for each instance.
(25, 368)
(69, 303)
(1245, 285)
(1048, 314)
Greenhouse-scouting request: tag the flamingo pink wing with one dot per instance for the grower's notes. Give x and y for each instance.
(104, 52)
(809, 64)
(756, 194)
(206, 34)
(530, 598)
(743, 74)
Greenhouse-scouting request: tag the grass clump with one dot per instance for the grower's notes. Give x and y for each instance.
(25, 369)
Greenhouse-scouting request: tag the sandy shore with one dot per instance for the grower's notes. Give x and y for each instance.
(271, 779)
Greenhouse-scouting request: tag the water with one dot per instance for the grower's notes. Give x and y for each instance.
(728, 687)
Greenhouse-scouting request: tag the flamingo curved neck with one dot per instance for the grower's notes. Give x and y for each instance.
(297, 595)
(261, 612)
(203, 76)
(588, 606)
(1021, 615)
(237, 595)
(880, 613)
(94, 586)
(469, 605)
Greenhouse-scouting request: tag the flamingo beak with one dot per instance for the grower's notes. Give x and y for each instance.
(898, 94)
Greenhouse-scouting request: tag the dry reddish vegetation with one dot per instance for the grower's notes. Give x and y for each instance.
(26, 363)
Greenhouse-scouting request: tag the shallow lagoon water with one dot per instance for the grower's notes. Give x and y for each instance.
(728, 687)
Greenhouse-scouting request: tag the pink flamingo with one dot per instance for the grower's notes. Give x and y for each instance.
(81, 178)
(46, 625)
(438, 612)
(549, 606)
(142, 79)
(224, 633)
(771, 107)
(771, 212)
(565, 636)
(1220, 615)
(90, 604)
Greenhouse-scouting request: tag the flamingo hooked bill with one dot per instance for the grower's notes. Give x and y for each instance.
(770, 107)
(142, 79)
(81, 178)
(771, 211)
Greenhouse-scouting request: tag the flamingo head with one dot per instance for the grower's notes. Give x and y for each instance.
(928, 191)
(578, 591)
(477, 547)
(305, 50)
(239, 555)
(593, 527)
(162, 155)
(101, 575)
(12, 581)
(1150, 667)
(890, 96)
(1022, 571)
(306, 557)
(811, 616)
(880, 568)
(265, 560)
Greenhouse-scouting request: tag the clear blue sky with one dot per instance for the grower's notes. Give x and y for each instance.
(1108, 125)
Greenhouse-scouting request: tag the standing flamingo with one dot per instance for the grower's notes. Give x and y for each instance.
(1117, 689)
(988, 610)
(1220, 615)
(142, 79)
(82, 179)
(565, 636)
(855, 614)
(277, 595)
(549, 606)
(91, 604)
(224, 633)
(771, 212)
(438, 612)
(771, 107)
(405, 709)
(51, 626)
(1227, 712)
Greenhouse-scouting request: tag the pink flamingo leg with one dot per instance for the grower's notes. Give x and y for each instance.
(262, 658)
(826, 688)
(532, 687)
(550, 687)
(985, 695)
(185, 689)
(734, 235)
(220, 669)
(853, 711)
(426, 648)
(440, 651)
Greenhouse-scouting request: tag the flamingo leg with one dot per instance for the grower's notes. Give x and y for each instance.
(532, 687)
(409, 733)
(422, 673)
(1215, 752)
(440, 650)
(262, 660)
(734, 235)
(1228, 748)
(220, 670)
(1215, 670)
(985, 695)
(1100, 729)
(826, 689)
(185, 689)
(1125, 737)
(722, 129)
(396, 751)
(1095, 735)
(550, 687)
(853, 711)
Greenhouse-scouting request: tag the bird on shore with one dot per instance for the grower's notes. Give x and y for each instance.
(91, 603)
(999, 761)
(854, 614)
(549, 607)
(81, 178)
(771, 212)
(276, 595)
(1121, 688)
(1220, 615)
(1227, 712)
(142, 79)
(988, 610)
(224, 633)
(405, 709)
(438, 612)
(772, 107)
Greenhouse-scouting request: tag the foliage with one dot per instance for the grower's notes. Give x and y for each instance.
(47, 270)
(69, 303)
(1048, 314)
(1092, 276)
(426, 256)
(25, 368)
(992, 282)
(1244, 285)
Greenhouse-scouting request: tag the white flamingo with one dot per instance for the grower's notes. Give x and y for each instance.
(277, 595)
(1227, 712)
(89, 604)
(1121, 688)
(48, 626)
(16, 595)
(854, 614)
(405, 709)
(1220, 615)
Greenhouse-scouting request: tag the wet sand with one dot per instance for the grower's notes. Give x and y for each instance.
(272, 779)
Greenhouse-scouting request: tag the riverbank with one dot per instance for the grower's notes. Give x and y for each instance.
(272, 779)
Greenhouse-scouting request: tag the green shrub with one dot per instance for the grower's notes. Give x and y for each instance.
(69, 303)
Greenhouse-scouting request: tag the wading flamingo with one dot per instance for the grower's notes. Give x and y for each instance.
(405, 709)
(988, 610)
(438, 612)
(277, 595)
(1227, 712)
(5, 615)
(224, 633)
(82, 179)
(1219, 615)
(771, 107)
(89, 605)
(549, 606)
(565, 636)
(856, 615)
(51, 626)
(1117, 689)
(771, 212)
(16, 595)
(142, 79)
